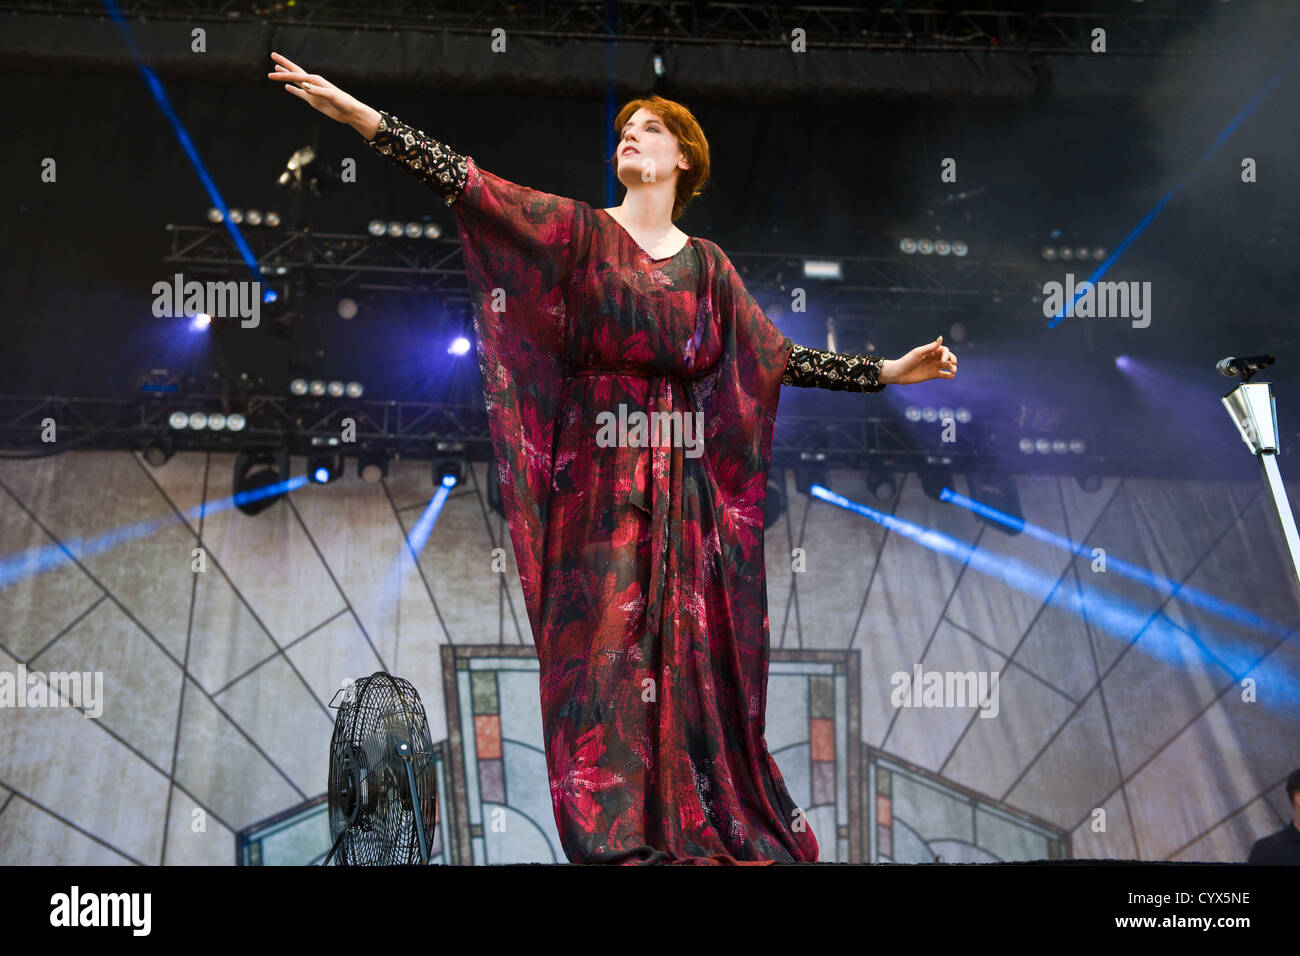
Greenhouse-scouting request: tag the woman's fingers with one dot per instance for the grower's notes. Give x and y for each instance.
(287, 62)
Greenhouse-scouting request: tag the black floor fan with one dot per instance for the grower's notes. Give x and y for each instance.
(383, 794)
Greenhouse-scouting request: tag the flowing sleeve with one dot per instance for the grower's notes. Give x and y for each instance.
(739, 404)
(818, 368)
(520, 247)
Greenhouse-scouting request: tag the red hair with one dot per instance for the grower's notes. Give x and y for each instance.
(690, 139)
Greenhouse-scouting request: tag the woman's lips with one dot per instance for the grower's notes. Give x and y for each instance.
(629, 149)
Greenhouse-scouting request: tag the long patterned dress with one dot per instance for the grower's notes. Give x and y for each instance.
(640, 552)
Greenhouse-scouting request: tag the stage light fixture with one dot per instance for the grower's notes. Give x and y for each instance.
(236, 216)
(317, 387)
(414, 230)
(925, 247)
(1049, 253)
(1043, 446)
(963, 415)
(880, 483)
(449, 472)
(459, 345)
(214, 214)
(1027, 446)
(347, 308)
(1067, 254)
(322, 468)
(272, 218)
(377, 227)
(1060, 446)
(335, 389)
(179, 420)
(256, 471)
(774, 504)
(396, 230)
(372, 467)
(912, 413)
(198, 421)
(298, 386)
(157, 451)
(813, 469)
(253, 217)
(1078, 446)
(235, 422)
(355, 389)
(941, 247)
(959, 248)
(1099, 253)
(432, 230)
(908, 246)
(822, 269)
(217, 422)
(929, 414)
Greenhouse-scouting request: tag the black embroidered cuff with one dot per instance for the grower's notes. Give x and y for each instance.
(817, 368)
(435, 164)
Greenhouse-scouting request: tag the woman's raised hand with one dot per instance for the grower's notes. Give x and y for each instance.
(920, 365)
(324, 96)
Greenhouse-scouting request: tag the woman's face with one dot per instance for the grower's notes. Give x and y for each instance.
(648, 151)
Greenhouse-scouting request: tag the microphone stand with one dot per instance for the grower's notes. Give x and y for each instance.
(1253, 410)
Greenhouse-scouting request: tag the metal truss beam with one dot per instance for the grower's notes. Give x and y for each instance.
(1016, 26)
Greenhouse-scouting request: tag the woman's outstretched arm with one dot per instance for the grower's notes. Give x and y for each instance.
(817, 368)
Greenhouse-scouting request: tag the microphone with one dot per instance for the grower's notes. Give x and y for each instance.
(297, 161)
(1246, 366)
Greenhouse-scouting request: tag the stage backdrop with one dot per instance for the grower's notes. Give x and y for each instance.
(1141, 697)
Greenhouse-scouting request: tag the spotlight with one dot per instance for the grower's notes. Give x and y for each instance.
(1000, 493)
(459, 345)
(198, 421)
(449, 472)
(963, 415)
(908, 246)
(432, 230)
(272, 218)
(257, 471)
(1123, 363)
(774, 504)
(214, 214)
(1089, 481)
(822, 269)
(941, 247)
(880, 483)
(934, 479)
(335, 389)
(414, 230)
(217, 422)
(372, 467)
(317, 387)
(354, 389)
(325, 467)
(235, 422)
(178, 420)
(1081, 253)
(1078, 446)
(811, 470)
(200, 321)
(347, 308)
(396, 230)
(959, 248)
(1043, 446)
(298, 386)
(1049, 253)
(925, 247)
(1060, 446)
(236, 216)
(912, 413)
(1099, 253)
(929, 414)
(1067, 254)
(159, 450)
(377, 227)
(253, 217)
